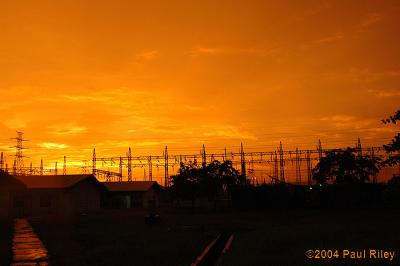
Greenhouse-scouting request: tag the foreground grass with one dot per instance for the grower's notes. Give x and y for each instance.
(263, 238)
(6, 231)
(283, 238)
(120, 238)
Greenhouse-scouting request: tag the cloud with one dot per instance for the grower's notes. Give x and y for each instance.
(7, 148)
(313, 10)
(87, 98)
(350, 122)
(194, 108)
(201, 50)
(171, 128)
(339, 118)
(67, 129)
(247, 51)
(362, 75)
(14, 123)
(51, 145)
(113, 96)
(385, 93)
(313, 44)
(148, 143)
(369, 20)
(147, 55)
(75, 163)
(273, 51)
(228, 132)
(335, 37)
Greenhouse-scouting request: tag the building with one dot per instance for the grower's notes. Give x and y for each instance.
(61, 194)
(12, 193)
(134, 194)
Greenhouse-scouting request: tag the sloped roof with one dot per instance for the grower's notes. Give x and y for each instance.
(52, 181)
(130, 185)
(9, 182)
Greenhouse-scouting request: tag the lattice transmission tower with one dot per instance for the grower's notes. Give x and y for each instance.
(19, 157)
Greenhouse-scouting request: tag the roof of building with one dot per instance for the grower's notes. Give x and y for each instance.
(52, 181)
(9, 182)
(138, 186)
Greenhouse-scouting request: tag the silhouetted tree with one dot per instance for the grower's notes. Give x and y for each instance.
(393, 148)
(185, 184)
(209, 181)
(345, 167)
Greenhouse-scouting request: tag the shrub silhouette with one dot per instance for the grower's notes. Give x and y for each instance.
(391, 195)
(345, 167)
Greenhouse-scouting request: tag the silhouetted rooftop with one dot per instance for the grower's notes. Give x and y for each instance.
(130, 185)
(9, 182)
(52, 181)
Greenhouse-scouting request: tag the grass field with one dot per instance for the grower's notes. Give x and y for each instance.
(121, 238)
(264, 238)
(283, 238)
(5, 241)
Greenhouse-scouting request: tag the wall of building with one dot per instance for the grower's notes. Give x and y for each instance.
(12, 203)
(151, 199)
(44, 201)
(133, 199)
(12, 194)
(4, 204)
(83, 197)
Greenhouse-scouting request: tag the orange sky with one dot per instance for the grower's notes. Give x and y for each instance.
(109, 74)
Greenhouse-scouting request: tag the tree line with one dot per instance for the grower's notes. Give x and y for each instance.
(343, 166)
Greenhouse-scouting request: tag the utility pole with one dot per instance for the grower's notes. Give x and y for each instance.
(1, 161)
(15, 167)
(166, 176)
(319, 149)
(242, 161)
(65, 165)
(375, 176)
(41, 167)
(84, 167)
(276, 171)
(281, 163)
(19, 161)
(129, 164)
(150, 169)
(94, 162)
(359, 148)
(225, 158)
(298, 167)
(120, 169)
(251, 170)
(203, 156)
(308, 158)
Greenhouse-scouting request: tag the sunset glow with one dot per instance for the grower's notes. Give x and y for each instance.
(78, 75)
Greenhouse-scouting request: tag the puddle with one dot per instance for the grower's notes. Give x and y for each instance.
(27, 248)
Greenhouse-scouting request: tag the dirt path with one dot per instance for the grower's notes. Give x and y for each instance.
(27, 248)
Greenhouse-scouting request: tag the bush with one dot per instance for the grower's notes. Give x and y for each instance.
(391, 194)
